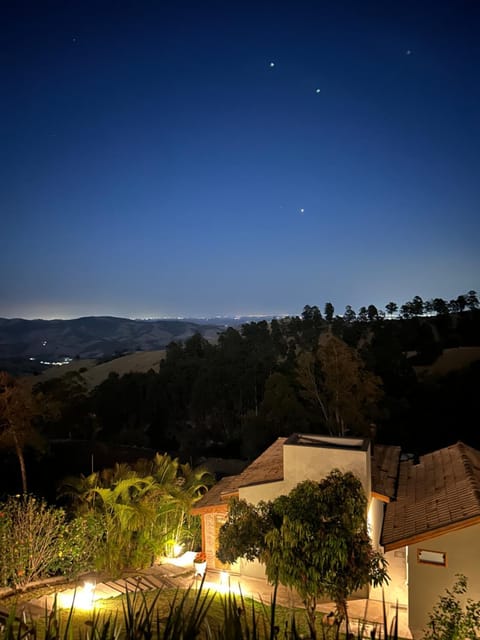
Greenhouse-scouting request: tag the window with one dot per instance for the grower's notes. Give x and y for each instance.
(438, 558)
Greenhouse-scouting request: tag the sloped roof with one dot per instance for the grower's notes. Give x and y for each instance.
(440, 493)
(268, 467)
(385, 460)
(218, 494)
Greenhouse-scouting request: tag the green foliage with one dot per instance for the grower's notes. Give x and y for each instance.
(279, 409)
(70, 406)
(78, 542)
(243, 534)
(188, 615)
(454, 617)
(314, 540)
(19, 409)
(140, 511)
(37, 541)
(335, 381)
(264, 380)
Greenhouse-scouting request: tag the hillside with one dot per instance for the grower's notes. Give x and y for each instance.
(92, 337)
(95, 372)
(450, 360)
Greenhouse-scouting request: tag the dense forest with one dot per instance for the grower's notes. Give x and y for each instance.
(320, 372)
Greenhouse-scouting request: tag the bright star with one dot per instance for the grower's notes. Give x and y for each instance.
(302, 210)
(317, 90)
(272, 64)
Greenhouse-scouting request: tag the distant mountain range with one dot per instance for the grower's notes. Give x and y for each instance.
(101, 336)
(93, 337)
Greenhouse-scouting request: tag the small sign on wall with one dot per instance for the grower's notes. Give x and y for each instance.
(438, 558)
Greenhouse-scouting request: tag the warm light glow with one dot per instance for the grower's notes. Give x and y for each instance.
(185, 560)
(224, 579)
(83, 598)
(371, 519)
(224, 586)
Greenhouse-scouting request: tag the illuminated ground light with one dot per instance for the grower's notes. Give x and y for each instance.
(82, 598)
(224, 585)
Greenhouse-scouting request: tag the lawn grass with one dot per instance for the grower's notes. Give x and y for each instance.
(223, 613)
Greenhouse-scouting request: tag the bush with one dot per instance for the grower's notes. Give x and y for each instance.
(37, 541)
(78, 543)
(454, 618)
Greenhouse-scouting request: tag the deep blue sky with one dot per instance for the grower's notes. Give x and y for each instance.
(154, 163)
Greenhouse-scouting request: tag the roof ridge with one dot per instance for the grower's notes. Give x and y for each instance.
(468, 465)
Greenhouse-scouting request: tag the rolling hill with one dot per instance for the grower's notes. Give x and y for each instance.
(92, 337)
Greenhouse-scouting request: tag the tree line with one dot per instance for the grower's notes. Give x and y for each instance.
(317, 372)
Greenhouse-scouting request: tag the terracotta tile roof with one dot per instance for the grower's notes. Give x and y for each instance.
(442, 491)
(385, 461)
(218, 494)
(268, 467)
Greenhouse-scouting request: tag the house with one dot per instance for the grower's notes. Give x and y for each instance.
(424, 515)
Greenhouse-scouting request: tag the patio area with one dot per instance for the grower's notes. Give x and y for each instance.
(179, 573)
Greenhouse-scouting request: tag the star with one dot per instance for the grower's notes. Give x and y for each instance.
(302, 210)
(408, 52)
(271, 65)
(317, 90)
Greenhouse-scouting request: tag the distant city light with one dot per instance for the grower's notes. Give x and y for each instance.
(55, 363)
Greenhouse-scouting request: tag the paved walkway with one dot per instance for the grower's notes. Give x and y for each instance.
(179, 574)
(88, 589)
(359, 610)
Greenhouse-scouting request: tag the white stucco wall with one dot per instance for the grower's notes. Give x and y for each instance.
(314, 463)
(428, 582)
(311, 463)
(306, 463)
(266, 491)
(396, 589)
(374, 520)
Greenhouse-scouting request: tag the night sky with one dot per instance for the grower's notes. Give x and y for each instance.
(223, 158)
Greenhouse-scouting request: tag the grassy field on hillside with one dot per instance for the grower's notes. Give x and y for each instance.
(450, 360)
(94, 373)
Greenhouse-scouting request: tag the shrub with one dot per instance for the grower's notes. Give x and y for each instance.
(454, 618)
(37, 541)
(77, 546)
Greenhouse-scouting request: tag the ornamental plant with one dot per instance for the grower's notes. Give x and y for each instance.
(37, 541)
(455, 616)
(200, 557)
(315, 540)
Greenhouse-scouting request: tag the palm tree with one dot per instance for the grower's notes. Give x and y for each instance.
(80, 491)
(142, 510)
(179, 487)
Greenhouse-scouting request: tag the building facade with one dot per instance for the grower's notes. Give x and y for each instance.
(424, 516)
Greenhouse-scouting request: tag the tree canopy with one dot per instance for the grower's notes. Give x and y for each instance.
(232, 397)
(334, 379)
(19, 408)
(315, 540)
(143, 510)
